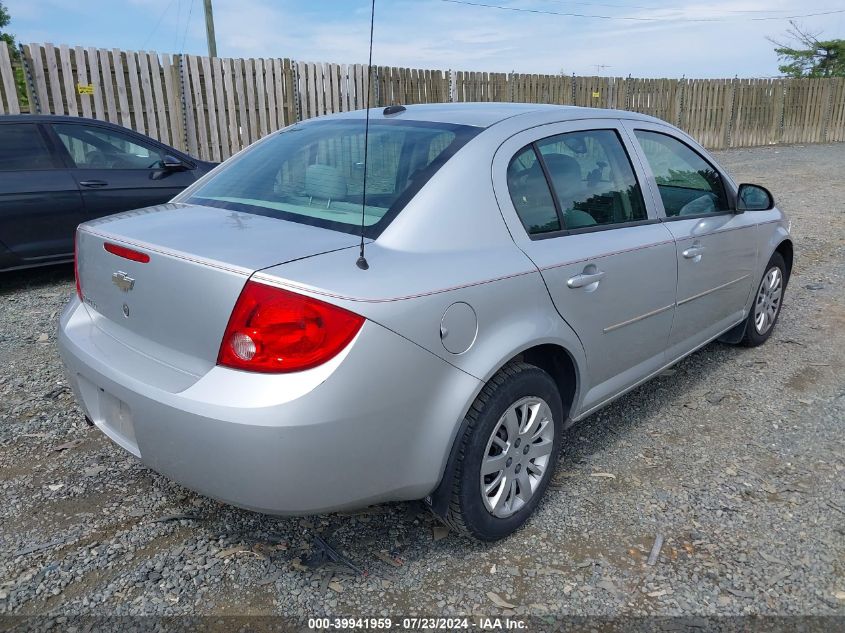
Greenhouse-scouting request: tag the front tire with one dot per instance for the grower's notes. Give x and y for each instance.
(507, 454)
(767, 303)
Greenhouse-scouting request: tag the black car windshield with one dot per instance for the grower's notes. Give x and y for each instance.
(313, 173)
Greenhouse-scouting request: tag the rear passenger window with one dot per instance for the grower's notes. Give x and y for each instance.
(22, 147)
(530, 193)
(688, 184)
(593, 179)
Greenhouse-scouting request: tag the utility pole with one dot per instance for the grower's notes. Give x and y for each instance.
(209, 29)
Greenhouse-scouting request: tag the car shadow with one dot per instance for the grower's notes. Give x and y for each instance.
(624, 416)
(16, 280)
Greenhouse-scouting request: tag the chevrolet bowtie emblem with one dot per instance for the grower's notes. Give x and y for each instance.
(122, 281)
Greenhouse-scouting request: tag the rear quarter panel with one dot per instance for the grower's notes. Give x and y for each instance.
(513, 311)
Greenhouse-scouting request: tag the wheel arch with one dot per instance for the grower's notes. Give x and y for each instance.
(559, 363)
(779, 242)
(553, 358)
(786, 250)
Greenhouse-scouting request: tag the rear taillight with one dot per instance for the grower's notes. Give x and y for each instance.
(76, 265)
(275, 331)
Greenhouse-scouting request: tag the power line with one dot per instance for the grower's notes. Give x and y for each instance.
(631, 18)
(187, 24)
(803, 15)
(665, 8)
(158, 23)
(176, 26)
(561, 13)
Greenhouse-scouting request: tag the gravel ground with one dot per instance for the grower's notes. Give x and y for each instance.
(735, 456)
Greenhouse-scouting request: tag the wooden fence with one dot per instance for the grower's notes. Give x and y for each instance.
(9, 102)
(213, 107)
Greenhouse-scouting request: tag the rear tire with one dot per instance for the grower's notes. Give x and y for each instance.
(513, 431)
(768, 299)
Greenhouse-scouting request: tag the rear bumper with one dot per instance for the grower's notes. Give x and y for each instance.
(374, 424)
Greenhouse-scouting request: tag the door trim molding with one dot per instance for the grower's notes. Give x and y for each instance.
(711, 290)
(595, 407)
(611, 328)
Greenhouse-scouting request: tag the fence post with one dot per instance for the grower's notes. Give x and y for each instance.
(780, 110)
(297, 109)
(828, 86)
(191, 133)
(180, 64)
(302, 90)
(179, 84)
(612, 88)
(728, 115)
(682, 94)
(376, 85)
(31, 96)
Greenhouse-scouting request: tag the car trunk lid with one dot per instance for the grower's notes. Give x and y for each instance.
(174, 304)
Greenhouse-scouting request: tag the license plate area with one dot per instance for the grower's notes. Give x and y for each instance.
(111, 415)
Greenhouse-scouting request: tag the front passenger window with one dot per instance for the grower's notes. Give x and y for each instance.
(688, 184)
(593, 179)
(93, 147)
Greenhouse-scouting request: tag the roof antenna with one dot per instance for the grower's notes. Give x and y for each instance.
(362, 261)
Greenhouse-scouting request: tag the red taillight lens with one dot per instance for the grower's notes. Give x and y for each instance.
(126, 253)
(76, 265)
(275, 331)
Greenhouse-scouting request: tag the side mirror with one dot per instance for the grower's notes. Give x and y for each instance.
(753, 198)
(172, 163)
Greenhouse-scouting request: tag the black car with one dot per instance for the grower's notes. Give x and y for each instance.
(59, 171)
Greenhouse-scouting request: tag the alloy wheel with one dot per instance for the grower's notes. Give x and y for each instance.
(768, 300)
(517, 456)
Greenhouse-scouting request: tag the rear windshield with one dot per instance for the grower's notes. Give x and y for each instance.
(313, 173)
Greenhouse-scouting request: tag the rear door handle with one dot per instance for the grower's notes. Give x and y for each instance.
(585, 279)
(93, 183)
(693, 252)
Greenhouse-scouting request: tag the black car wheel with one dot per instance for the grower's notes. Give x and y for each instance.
(767, 303)
(507, 454)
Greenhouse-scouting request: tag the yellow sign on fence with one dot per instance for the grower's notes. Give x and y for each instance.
(596, 95)
(85, 89)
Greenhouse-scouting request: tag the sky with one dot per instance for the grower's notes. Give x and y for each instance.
(643, 38)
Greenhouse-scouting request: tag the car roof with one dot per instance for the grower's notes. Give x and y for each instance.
(477, 114)
(53, 118)
(489, 113)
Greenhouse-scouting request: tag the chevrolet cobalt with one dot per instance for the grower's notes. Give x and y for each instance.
(523, 265)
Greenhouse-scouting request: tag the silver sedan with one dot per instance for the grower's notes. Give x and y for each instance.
(336, 317)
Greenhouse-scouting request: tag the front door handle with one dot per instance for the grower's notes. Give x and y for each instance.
(93, 183)
(585, 279)
(692, 252)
